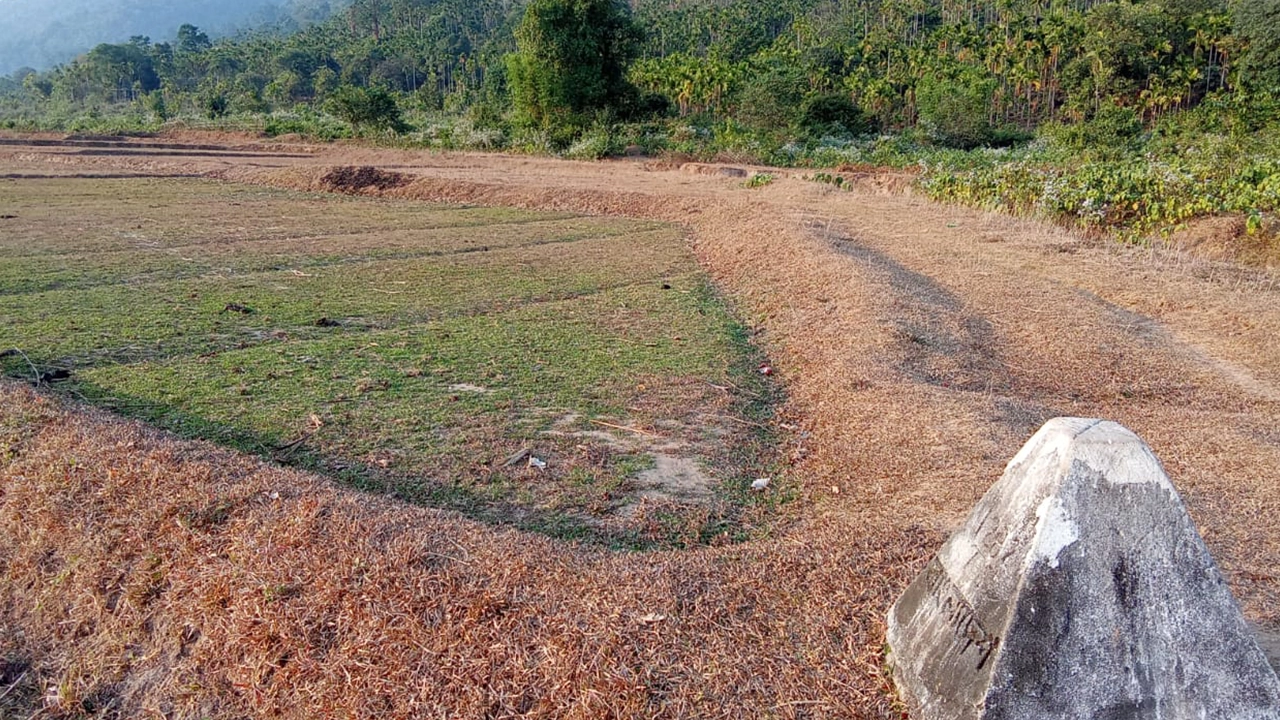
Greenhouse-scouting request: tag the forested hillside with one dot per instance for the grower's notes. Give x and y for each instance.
(1058, 106)
(41, 33)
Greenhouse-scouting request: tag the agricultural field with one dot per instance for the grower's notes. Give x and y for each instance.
(267, 451)
(572, 375)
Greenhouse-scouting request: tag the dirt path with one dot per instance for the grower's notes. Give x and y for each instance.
(920, 345)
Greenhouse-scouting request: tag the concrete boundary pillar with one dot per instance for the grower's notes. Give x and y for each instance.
(1078, 588)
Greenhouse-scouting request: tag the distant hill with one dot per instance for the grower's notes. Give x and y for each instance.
(42, 33)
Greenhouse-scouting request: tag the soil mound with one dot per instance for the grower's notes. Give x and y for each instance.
(350, 179)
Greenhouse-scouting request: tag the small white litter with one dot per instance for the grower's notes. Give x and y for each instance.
(760, 484)
(537, 463)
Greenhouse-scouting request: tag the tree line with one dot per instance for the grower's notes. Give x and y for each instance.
(966, 73)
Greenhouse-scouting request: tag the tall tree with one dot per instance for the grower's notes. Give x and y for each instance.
(571, 61)
(191, 40)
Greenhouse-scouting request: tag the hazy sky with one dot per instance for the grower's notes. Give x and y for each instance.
(43, 33)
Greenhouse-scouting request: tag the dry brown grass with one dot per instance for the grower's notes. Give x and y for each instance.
(151, 575)
(1227, 238)
(919, 345)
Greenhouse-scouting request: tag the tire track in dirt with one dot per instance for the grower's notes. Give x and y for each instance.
(919, 356)
(1090, 329)
(1064, 347)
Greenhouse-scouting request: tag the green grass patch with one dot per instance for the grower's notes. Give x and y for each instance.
(520, 367)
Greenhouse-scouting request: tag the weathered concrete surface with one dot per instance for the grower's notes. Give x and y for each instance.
(1269, 641)
(1078, 588)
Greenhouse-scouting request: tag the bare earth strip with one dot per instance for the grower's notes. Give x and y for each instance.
(919, 345)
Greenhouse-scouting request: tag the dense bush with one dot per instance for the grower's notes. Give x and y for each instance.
(1258, 23)
(771, 99)
(310, 124)
(366, 107)
(834, 114)
(216, 105)
(956, 110)
(1113, 131)
(1135, 195)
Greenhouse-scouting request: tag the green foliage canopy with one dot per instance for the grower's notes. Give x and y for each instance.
(1258, 22)
(751, 73)
(956, 109)
(571, 62)
(371, 107)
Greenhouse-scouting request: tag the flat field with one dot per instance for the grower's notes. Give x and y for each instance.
(567, 374)
(144, 574)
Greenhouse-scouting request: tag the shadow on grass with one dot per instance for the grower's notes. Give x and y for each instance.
(482, 502)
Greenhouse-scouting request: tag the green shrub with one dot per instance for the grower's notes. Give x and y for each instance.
(834, 114)
(215, 105)
(1112, 132)
(319, 127)
(469, 135)
(955, 110)
(1134, 197)
(490, 114)
(771, 100)
(830, 179)
(597, 142)
(1258, 22)
(366, 107)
